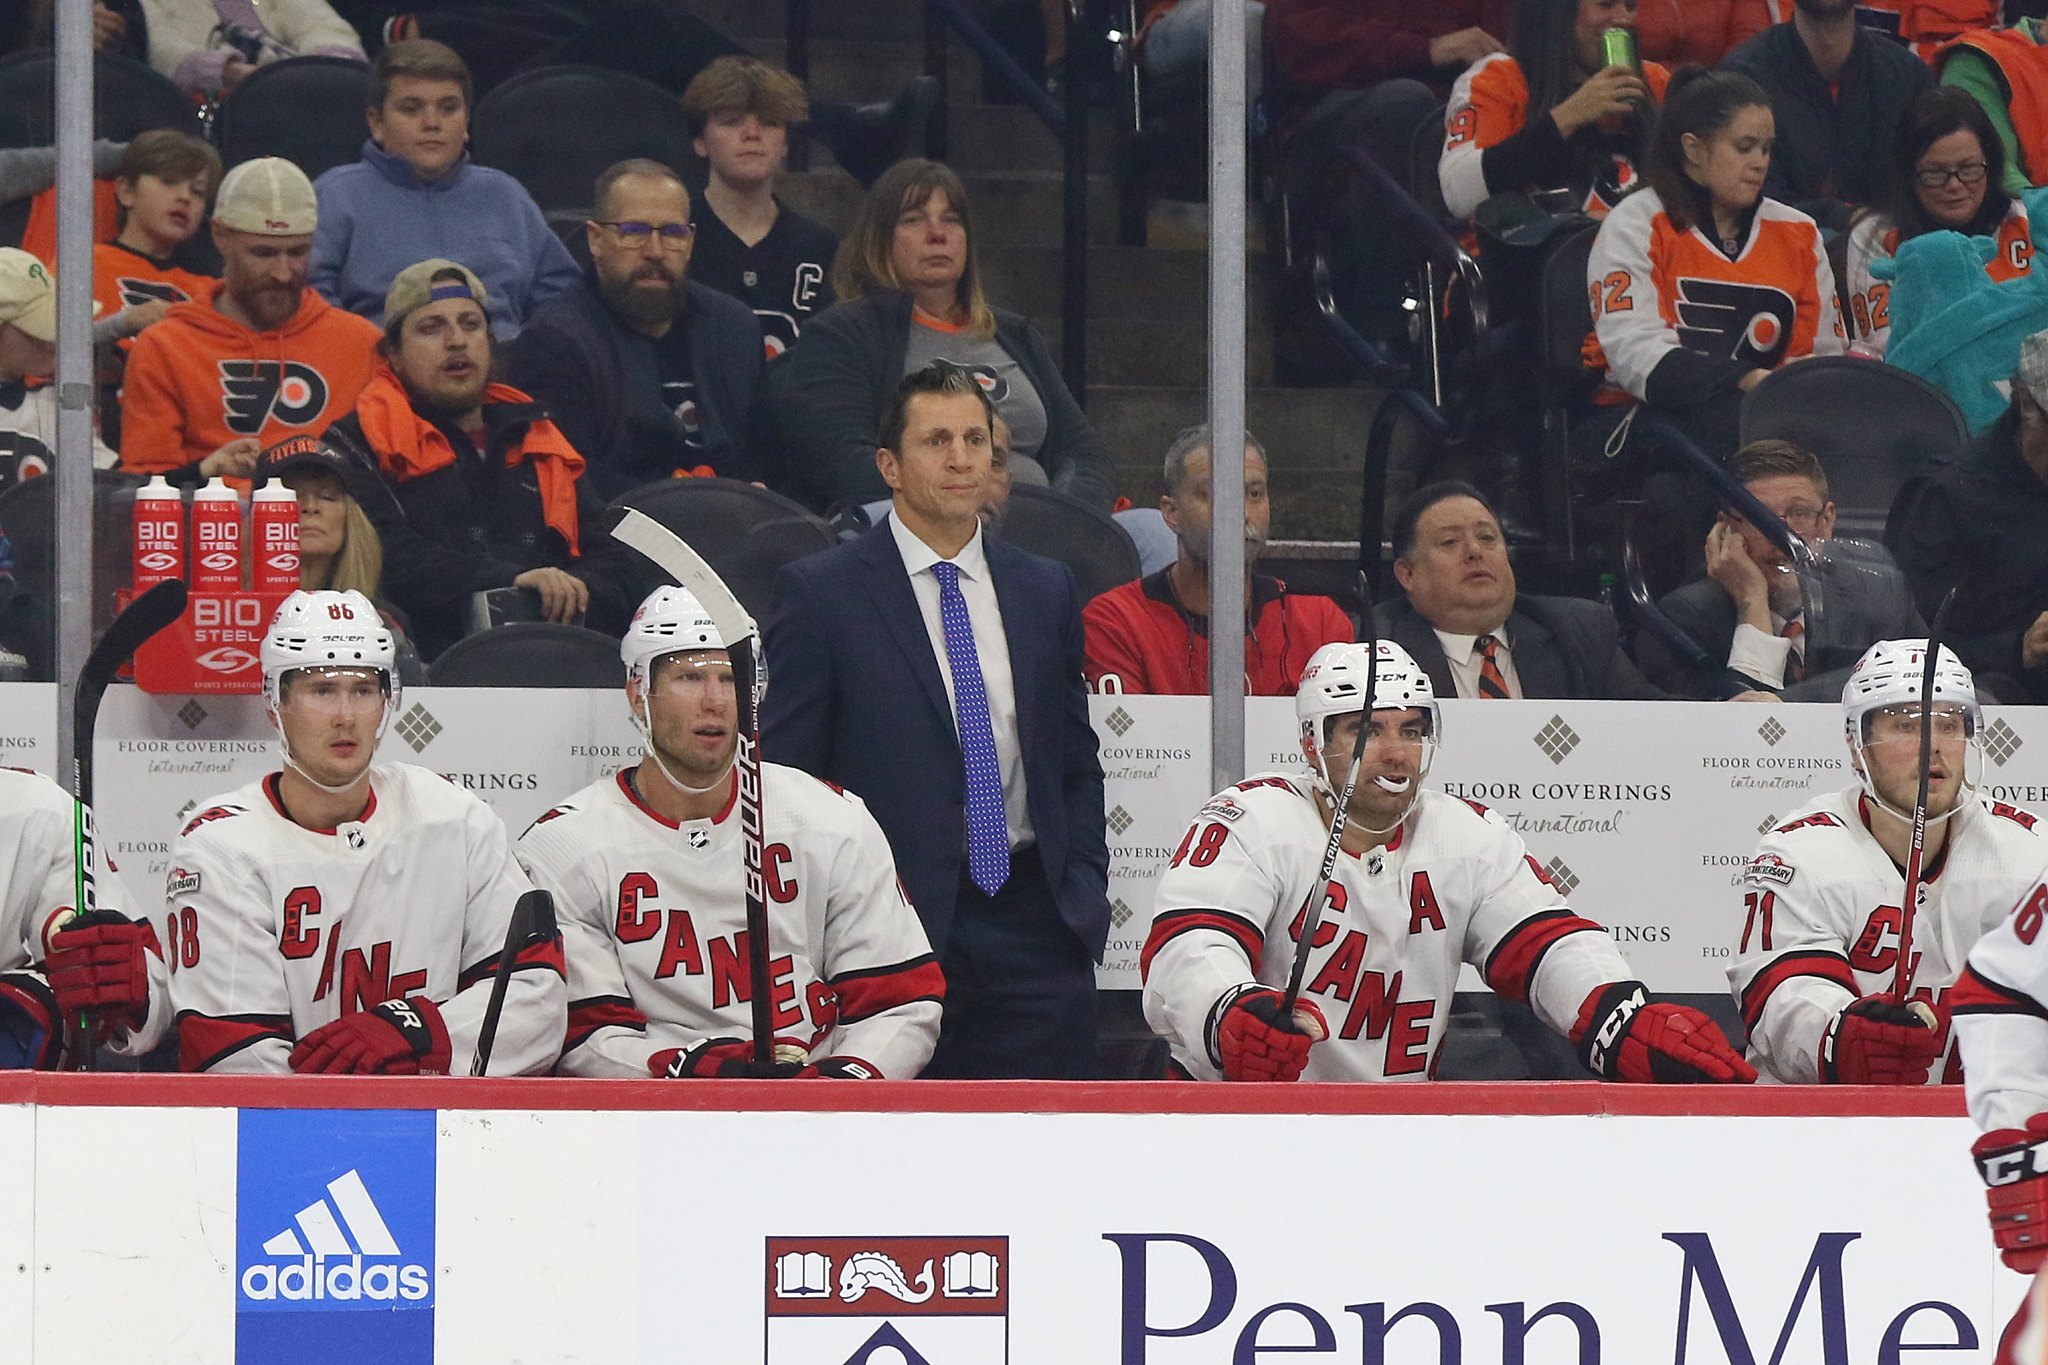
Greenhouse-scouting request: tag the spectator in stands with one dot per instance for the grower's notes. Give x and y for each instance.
(749, 244)
(28, 349)
(208, 46)
(416, 194)
(1750, 609)
(1947, 174)
(1702, 233)
(1462, 620)
(911, 294)
(468, 483)
(261, 357)
(1975, 526)
(1838, 91)
(648, 372)
(1551, 112)
(1173, 43)
(1153, 635)
(117, 27)
(1328, 45)
(2005, 70)
(1699, 32)
(163, 185)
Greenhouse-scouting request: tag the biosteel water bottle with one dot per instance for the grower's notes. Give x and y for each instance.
(274, 527)
(159, 535)
(216, 538)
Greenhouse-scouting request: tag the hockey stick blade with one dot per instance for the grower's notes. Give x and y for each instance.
(673, 555)
(533, 920)
(1902, 973)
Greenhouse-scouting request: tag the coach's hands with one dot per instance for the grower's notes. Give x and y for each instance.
(1622, 1035)
(397, 1038)
(1253, 1041)
(1877, 1041)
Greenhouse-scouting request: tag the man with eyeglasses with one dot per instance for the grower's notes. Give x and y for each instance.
(648, 373)
(1749, 610)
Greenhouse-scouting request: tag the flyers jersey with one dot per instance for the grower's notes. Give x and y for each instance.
(653, 917)
(1655, 288)
(1821, 921)
(1490, 104)
(39, 830)
(122, 279)
(1455, 885)
(1870, 299)
(273, 930)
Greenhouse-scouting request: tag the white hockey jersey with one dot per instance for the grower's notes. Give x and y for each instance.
(2000, 1012)
(1455, 885)
(38, 839)
(1821, 921)
(653, 917)
(1868, 300)
(272, 929)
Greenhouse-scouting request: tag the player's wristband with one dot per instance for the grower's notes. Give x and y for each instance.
(1609, 1021)
(2011, 1165)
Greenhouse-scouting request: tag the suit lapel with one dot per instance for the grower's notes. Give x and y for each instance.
(888, 587)
(1539, 663)
(1018, 616)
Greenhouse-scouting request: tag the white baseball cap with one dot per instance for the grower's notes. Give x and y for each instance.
(28, 294)
(268, 196)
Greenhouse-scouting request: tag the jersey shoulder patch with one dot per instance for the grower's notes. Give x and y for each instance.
(1224, 807)
(181, 882)
(1768, 869)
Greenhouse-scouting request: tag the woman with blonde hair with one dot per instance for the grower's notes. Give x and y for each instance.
(911, 294)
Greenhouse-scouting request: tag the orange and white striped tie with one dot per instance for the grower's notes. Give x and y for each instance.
(1492, 686)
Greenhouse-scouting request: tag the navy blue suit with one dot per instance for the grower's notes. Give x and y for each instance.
(856, 697)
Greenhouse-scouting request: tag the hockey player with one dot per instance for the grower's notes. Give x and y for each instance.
(342, 917)
(646, 868)
(1425, 883)
(100, 962)
(1820, 937)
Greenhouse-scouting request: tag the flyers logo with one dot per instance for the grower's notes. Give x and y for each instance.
(135, 291)
(993, 384)
(253, 392)
(1751, 323)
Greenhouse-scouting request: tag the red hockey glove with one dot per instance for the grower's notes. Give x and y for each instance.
(100, 962)
(1252, 1043)
(2014, 1164)
(840, 1068)
(397, 1038)
(1876, 1041)
(1622, 1035)
(715, 1058)
(31, 1029)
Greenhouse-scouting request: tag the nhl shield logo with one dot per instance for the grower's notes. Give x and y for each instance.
(888, 1300)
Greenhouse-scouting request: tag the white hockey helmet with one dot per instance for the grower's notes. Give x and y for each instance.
(327, 629)
(1334, 682)
(671, 620)
(1889, 674)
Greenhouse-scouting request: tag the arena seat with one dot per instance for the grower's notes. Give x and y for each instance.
(555, 128)
(129, 97)
(1088, 541)
(28, 515)
(530, 654)
(746, 534)
(308, 110)
(1872, 426)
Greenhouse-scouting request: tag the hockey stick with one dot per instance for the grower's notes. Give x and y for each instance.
(1312, 912)
(144, 617)
(673, 555)
(1902, 972)
(533, 919)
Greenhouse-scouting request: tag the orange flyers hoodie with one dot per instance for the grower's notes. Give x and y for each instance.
(122, 278)
(198, 380)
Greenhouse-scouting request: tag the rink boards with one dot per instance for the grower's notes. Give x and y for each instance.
(1642, 812)
(175, 1219)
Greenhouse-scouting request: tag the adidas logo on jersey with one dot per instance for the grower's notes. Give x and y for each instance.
(337, 1249)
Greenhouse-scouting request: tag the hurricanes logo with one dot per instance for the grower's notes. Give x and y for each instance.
(255, 391)
(136, 291)
(1751, 323)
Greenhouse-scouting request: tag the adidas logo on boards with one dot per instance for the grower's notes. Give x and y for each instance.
(316, 1260)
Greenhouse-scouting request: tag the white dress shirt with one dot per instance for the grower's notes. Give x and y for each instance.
(991, 647)
(1461, 652)
(1763, 657)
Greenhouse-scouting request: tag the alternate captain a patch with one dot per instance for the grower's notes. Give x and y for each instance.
(914, 1300)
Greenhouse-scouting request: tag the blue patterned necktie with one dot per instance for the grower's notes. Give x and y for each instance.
(988, 832)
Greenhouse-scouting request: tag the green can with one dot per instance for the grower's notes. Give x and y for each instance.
(1618, 48)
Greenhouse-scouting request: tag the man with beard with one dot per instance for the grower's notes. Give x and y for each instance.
(1153, 635)
(646, 867)
(1837, 91)
(468, 483)
(260, 359)
(649, 373)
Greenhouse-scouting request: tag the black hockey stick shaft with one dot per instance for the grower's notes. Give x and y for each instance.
(1902, 971)
(746, 679)
(144, 617)
(1312, 912)
(533, 918)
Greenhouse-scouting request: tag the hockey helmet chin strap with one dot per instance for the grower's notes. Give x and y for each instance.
(1968, 788)
(646, 730)
(284, 747)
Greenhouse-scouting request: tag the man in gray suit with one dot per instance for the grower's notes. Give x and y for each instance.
(1461, 619)
(1750, 613)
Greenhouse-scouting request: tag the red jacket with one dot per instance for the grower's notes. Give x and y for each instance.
(1333, 44)
(1140, 634)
